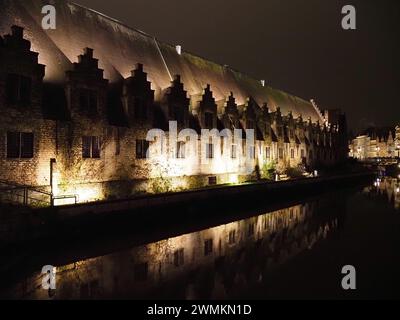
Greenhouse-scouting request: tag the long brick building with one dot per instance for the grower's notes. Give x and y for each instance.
(77, 103)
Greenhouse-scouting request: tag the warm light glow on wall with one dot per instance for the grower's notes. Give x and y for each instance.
(233, 179)
(83, 193)
(88, 194)
(64, 201)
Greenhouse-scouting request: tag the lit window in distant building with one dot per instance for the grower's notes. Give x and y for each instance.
(142, 148)
(18, 90)
(20, 145)
(91, 147)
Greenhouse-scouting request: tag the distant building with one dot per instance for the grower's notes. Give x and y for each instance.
(376, 143)
(77, 103)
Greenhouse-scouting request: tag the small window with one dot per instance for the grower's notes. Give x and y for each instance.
(88, 101)
(142, 148)
(302, 153)
(18, 90)
(179, 258)
(212, 181)
(252, 152)
(20, 145)
(234, 151)
(292, 153)
(232, 237)
(180, 150)
(91, 147)
(118, 142)
(268, 152)
(280, 153)
(209, 120)
(210, 151)
(208, 247)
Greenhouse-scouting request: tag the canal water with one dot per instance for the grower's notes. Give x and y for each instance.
(294, 252)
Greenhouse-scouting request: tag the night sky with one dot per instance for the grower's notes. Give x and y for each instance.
(296, 45)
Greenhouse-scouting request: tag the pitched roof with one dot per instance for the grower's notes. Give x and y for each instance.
(381, 132)
(119, 47)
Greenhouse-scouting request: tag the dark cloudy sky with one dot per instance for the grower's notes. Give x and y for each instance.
(296, 45)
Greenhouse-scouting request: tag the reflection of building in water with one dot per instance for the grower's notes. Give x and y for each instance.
(213, 263)
(387, 187)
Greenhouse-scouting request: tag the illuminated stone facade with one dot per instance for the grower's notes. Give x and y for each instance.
(376, 143)
(68, 128)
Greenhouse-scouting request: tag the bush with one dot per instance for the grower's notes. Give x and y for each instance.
(268, 171)
(296, 172)
(160, 185)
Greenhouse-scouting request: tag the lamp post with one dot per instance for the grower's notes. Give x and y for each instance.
(53, 182)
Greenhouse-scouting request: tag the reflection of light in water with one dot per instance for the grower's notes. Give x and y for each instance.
(280, 235)
(388, 186)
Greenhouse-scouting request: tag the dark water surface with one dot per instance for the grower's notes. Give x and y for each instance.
(294, 252)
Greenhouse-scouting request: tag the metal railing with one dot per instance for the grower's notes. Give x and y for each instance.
(24, 195)
(63, 200)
